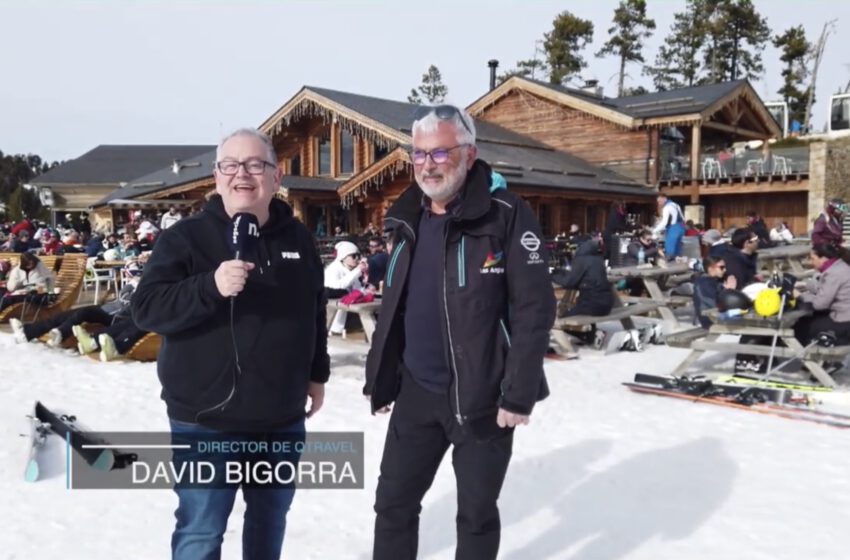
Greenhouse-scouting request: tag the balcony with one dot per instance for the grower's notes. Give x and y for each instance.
(742, 166)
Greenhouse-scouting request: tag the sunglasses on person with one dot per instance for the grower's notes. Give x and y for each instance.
(443, 112)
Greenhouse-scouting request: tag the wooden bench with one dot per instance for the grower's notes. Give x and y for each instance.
(684, 339)
(669, 301)
(579, 323)
(146, 349)
(69, 282)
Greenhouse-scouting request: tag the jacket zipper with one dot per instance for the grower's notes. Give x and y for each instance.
(458, 415)
(461, 261)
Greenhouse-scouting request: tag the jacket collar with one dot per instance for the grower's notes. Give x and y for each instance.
(474, 198)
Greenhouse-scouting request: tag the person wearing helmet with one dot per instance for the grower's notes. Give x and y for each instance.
(830, 296)
(709, 286)
(342, 276)
(829, 228)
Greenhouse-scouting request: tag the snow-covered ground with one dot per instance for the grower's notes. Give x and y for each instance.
(601, 473)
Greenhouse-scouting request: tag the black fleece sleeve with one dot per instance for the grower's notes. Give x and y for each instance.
(321, 369)
(169, 299)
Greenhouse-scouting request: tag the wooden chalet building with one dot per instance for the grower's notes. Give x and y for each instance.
(361, 143)
(707, 146)
(78, 184)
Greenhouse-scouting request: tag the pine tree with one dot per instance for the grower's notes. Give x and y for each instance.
(678, 64)
(431, 90)
(532, 68)
(569, 35)
(795, 52)
(631, 27)
(737, 36)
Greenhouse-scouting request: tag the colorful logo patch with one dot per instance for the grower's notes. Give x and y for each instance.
(493, 259)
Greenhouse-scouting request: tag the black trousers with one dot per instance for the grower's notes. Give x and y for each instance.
(421, 429)
(807, 328)
(67, 319)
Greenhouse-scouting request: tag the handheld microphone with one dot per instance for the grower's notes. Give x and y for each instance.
(244, 233)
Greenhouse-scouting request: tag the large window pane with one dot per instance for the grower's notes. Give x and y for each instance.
(324, 156)
(347, 160)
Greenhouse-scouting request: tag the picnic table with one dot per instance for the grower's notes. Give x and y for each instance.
(368, 313)
(651, 276)
(657, 302)
(701, 340)
(788, 257)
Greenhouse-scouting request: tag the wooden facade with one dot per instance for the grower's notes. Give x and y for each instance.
(628, 152)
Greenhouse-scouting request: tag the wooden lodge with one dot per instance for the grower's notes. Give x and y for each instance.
(707, 146)
(570, 153)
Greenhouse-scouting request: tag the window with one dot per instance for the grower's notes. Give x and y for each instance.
(295, 165)
(346, 163)
(380, 152)
(325, 156)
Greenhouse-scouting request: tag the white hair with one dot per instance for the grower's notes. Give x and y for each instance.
(463, 123)
(261, 136)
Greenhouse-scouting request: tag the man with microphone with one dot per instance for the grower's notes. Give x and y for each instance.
(237, 293)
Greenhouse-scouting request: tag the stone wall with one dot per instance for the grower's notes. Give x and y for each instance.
(837, 175)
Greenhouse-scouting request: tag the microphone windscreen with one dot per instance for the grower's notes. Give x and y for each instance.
(244, 232)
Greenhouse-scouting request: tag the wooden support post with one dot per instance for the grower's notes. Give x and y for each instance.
(696, 137)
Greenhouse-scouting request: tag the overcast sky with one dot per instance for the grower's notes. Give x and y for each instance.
(79, 74)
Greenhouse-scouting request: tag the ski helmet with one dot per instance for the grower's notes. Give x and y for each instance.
(768, 302)
(733, 299)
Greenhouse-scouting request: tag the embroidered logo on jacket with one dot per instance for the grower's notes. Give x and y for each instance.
(492, 262)
(294, 255)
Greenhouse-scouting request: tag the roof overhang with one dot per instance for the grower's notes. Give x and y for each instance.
(311, 104)
(397, 161)
(561, 98)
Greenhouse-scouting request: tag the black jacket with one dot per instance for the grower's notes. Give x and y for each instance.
(498, 302)
(278, 322)
(588, 275)
(631, 258)
(706, 290)
(740, 265)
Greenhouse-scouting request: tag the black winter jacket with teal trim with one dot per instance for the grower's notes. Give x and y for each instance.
(498, 304)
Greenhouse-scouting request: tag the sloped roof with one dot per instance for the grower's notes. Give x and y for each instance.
(190, 169)
(657, 104)
(399, 115)
(115, 164)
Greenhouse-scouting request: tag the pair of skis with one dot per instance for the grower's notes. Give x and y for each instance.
(764, 399)
(95, 451)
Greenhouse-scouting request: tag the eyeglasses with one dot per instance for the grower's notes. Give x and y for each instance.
(252, 166)
(444, 112)
(440, 155)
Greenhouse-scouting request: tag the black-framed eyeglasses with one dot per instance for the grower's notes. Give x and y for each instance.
(440, 155)
(252, 166)
(444, 112)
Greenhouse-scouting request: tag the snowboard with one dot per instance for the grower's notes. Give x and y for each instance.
(37, 439)
(66, 427)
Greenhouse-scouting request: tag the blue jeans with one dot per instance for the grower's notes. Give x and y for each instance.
(202, 512)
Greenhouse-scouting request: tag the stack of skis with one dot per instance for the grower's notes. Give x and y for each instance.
(797, 402)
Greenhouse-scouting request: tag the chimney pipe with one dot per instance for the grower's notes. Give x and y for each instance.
(493, 64)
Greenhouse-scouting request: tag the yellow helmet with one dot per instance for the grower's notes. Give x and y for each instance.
(768, 302)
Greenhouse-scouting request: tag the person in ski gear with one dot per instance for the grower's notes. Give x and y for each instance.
(244, 343)
(170, 218)
(829, 296)
(587, 275)
(829, 226)
(673, 223)
(28, 281)
(757, 225)
(708, 286)
(616, 224)
(114, 314)
(459, 345)
(781, 234)
(342, 276)
(741, 259)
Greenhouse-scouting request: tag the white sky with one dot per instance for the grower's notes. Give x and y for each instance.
(78, 74)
